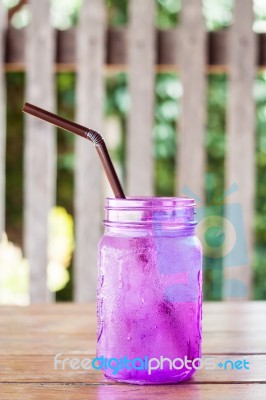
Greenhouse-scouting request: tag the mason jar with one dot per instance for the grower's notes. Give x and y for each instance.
(149, 294)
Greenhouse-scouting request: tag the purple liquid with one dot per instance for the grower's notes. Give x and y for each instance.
(149, 303)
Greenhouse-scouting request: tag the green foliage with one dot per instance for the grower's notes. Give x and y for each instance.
(168, 92)
(117, 103)
(260, 16)
(65, 141)
(167, 13)
(14, 274)
(117, 12)
(260, 220)
(215, 134)
(14, 156)
(218, 15)
(65, 160)
(167, 108)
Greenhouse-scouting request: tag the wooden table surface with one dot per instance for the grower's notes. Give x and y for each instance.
(30, 337)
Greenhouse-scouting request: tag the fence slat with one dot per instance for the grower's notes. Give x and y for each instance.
(40, 140)
(192, 56)
(88, 173)
(141, 60)
(241, 146)
(2, 121)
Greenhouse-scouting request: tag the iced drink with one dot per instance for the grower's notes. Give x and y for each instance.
(149, 291)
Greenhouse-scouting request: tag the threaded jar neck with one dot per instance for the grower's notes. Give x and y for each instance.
(154, 213)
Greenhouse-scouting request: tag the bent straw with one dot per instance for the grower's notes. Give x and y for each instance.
(87, 133)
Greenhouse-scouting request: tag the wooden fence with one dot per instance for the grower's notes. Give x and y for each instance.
(141, 49)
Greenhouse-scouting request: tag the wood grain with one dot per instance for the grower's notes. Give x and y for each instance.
(120, 392)
(217, 317)
(31, 337)
(192, 54)
(52, 343)
(233, 328)
(141, 60)
(40, 149)
(88, 171)
(240, 162)
(2, 120)
(47, 368)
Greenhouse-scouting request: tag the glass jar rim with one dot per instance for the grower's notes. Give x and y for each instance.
(150, 212)
(148, 202)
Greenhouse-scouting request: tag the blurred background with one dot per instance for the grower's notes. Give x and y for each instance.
(217, 16)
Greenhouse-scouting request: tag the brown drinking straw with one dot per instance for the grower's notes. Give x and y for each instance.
(87, 133)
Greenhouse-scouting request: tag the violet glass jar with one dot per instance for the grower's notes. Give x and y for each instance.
(149, 295)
